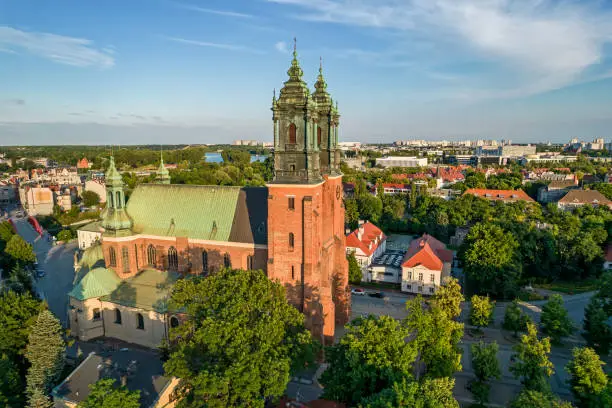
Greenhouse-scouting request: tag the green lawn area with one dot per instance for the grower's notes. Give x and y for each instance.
(569, 287)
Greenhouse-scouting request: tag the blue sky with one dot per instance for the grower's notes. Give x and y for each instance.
(196, 71)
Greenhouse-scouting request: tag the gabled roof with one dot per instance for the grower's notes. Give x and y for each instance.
(561, 184)
(148, 290)
(216, 213)
(585, 197)
(370, 234)
(503, 195)
(96, 283)
(428, 252)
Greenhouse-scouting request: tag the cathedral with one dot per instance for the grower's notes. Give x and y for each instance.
(292, 229)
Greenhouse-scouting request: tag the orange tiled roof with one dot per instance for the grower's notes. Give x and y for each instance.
(427, 251)
(371, 235)
(503, 195)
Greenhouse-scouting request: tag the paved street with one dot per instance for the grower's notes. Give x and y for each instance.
(57, 262)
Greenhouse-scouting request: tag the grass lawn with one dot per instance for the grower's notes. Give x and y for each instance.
(570, 288)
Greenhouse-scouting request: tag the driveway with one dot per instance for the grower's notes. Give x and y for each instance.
(58, 264)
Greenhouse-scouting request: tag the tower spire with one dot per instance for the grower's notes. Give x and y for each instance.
(320, 95)
(163, 176)
(115, 219)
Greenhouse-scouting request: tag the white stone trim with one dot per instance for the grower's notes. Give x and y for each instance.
(189, 240)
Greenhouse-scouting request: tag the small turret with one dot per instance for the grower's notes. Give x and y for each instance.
(115, 219)
(163, 176)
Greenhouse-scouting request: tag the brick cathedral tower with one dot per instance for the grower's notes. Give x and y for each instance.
(306, 243)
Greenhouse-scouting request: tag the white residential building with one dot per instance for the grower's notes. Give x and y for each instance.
(426, 263)
(401, 161)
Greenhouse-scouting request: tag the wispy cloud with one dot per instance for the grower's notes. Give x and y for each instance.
(540, 45)
(14, 102)
(281, 46)
(226, 13)
(229, 47)
(73, 51)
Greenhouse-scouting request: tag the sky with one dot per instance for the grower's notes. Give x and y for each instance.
(204, 71)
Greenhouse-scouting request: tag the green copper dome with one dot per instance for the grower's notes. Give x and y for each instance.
(115, 221)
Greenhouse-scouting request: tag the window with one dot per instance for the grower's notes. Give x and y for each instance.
(112, 257)
(291, 241)
(409, 276)
(140, 322)
(118, 199)
(292, 272)
(318, 136)
(420, 277)
(292, 167)
(408, 287)
(117, 316)
(432, 278)
(174, 322)
(204, 262)
(431, 290)
(420, 288)
(250, 262)
(227, 261)
(151, 255)
(291, 203)
(172, 259)
(110, 199)
(125, 259)
(292, 131)
(96, 314)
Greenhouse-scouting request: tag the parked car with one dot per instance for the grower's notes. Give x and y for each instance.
(379, 295)
(40, 273)
(358, 292)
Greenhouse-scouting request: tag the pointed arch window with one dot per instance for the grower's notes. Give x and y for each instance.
(319, 132)
(250, 262)
(117, 316)
(292, 133)
(172, 259)
(151, 255)
(125, 259)
(112, 257)
(118, 199)
(291, 241)
(140, 322)
(227, 260)
(205, 262)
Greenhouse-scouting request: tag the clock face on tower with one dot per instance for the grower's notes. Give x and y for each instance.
(338, 192)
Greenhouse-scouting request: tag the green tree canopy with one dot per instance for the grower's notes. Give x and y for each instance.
(371, 356)
(486, 367)
(554, 319)
(65, 235)
(19, 250)
(514, 318)
(90, 198)
(429, 393)
(6, 231)
(18, 313)
(354, 269)
(448, 297)
(588, 378)
(531, 363)
(46, 352)
(481, 311)
(11, 387)
(106, 394)
(536, 399)
(597, 331)
(240, 341)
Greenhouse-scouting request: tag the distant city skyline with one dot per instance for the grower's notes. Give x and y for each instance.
(166, 71)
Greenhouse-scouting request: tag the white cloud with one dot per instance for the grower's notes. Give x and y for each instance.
(64, 50)
(281, 46)
(229, 47)
(225, 13)
(540, 44)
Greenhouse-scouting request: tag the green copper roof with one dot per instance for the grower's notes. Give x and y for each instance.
(295, 89)
(91, 227)
(92, 255)
(216, 213)
(163, 175)
(96, 283)
(320, 95)
(112, 176)
(149, 290)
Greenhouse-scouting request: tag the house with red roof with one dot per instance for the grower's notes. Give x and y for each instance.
(507, 196)
(426, 263)
(83, 164)
(366, 242)
(396, 188)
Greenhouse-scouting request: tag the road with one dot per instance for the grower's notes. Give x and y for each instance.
(58, 263)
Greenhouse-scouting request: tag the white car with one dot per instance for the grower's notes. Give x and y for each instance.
(358, 292)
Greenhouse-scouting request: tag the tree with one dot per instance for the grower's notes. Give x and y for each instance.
(46, 351)
(514, 318)
(531, 363)
(448, 297)
(19, 280)
(429, 393)
(537, 399)
(19, 250)
(554, 319)
(481, 311)
(371, 356)
(11, 389)
(17, 315)
(354, 269)
(597, 331)
(6, 231)
(64, 235)
(436, 337)
(486, 367)
(588, 378)
(39, 399)
(90, 198)
(106, 394)
(240, 342)
(351, 212)
(489, 258)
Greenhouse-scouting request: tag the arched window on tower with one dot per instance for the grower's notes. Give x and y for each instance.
(151, 255)
(172, 259)
(205, 262)
(292, 134)
(112, 257)
(117, 316)
(110, 199)
(118, 199)
(291, 241)
(125, 259)
(227, 260)
(319, 131)
(140, 322)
